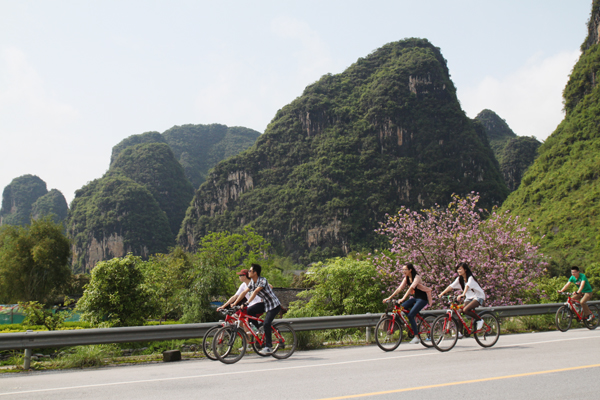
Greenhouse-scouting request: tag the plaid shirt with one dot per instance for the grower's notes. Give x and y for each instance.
(271, 301)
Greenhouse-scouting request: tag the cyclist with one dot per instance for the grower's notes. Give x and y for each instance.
(256, 307)
(584, 292)
(260, 287)
(472, 292)
(421, 296)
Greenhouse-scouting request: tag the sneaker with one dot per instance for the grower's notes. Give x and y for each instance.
(460, 335)
(479, 324)
(589, 318)
(415, 340)
(267, 351)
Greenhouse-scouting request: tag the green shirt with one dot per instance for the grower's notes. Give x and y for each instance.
(587, 288)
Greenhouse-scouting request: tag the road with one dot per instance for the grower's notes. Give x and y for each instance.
(548, 365)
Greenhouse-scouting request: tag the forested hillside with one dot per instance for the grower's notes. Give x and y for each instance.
(198, 148)
(561, 190)
(514, 153)
(387, 132)
(27, 197)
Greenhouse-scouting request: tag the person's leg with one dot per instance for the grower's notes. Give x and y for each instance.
(269, 317)
(467, 310)
(583, 301)
(419, 304)
(255, 310)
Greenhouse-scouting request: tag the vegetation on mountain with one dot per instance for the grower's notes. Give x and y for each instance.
(560, 192)
(153, 166)
(198, 148)
(52, 203)
(112, 216)
(514, 153)
(18, 198)
(34, 262)
(387, 132)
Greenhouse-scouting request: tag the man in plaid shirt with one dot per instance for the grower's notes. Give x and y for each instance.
(260, 287)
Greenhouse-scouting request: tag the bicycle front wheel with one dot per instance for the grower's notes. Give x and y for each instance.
(593, 323)
(388, 334)
(207, 342)
(425, 330)
(488, 335)
(444, 333)
(229, 344)
(563, 318)
(284, 340)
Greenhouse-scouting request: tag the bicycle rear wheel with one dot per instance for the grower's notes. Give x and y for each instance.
(284, 340)
(444, 333)
(388, 334)
(593, 324)
(425, 330)
(563, 318)
(207, 342)
(488, 335)
(229, 344)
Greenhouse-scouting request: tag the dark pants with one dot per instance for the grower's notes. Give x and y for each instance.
(255, 310)
(415, 305)
(269, 317)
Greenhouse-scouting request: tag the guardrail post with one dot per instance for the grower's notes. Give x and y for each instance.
(27, 359)
(368, 336)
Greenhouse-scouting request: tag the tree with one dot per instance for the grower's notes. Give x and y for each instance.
(341, 286)
(116, 294)
(33, 261)
(498, 249)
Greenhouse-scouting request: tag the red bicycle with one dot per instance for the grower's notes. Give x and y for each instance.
(564, 315)
(388, 332)
(229, 342)
(445, 328)
(230, 318)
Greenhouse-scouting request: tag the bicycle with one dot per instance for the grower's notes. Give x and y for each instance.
(445, 328)
(564, 315)
(207, 340)
(229, 343)
(388, 331)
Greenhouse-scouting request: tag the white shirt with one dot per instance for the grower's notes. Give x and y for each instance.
(243, 287)
(475, 291)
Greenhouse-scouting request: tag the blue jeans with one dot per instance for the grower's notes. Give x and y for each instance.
(415, 306)
(269, 317)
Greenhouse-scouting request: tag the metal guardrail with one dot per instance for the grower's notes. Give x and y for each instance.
(78, 337)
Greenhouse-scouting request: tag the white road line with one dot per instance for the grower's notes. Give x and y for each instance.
(279, 368)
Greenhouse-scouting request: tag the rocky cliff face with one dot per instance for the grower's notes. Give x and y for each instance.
(387, 132)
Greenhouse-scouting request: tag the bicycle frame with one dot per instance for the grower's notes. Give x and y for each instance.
(455, 309)
(571, 303)
(401, 313)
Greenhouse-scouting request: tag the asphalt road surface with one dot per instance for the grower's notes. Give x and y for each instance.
(549, 365)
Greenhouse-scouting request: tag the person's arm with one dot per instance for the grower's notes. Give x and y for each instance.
(253, 295)
(240, 297)
(449, 288)
(396, 291)
(231, 299)
(581, 287)
(565, 287)
(464, 293)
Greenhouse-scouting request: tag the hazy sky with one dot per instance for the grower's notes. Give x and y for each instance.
(77, 77)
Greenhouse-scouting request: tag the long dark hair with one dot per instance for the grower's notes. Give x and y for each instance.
(468, 273)
(413, 271)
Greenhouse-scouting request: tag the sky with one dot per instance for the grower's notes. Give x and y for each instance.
(77, 77)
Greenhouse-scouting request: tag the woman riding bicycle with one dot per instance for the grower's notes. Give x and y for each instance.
(421, 296)
(472, 292)
(256, 307)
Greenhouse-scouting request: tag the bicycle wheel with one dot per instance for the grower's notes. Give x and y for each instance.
(563, 318)
(488, 335)
(207, 342)
(229, 344)
(593, 324)
(425, 330)
(444, 333)
(284, 340)
(388, 335)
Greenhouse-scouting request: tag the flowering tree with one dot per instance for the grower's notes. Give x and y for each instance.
(498, 249)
